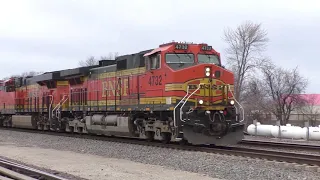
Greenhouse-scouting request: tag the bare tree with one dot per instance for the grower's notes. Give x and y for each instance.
(308, 108)
(24, 74)
(90, 61)
(255, 101)
(8, 77)
(282, 88)
(253, 97)
(246, 43)
(111, 56)
(30, 73)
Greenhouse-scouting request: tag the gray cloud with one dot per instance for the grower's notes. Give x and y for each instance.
(56, 34)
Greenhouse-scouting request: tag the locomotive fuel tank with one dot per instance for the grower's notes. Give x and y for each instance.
(108, 124)
(109, 120)
(24, 121)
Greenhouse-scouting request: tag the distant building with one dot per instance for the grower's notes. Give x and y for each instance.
(309, 110)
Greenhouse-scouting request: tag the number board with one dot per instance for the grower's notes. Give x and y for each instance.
(182, 46)
(206, 48)
(155, 80)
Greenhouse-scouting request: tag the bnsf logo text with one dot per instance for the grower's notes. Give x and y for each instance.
(206, 86)
(112, 88)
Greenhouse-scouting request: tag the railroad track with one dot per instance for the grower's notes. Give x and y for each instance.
(313, 160)
(11, 170)
(296, 146)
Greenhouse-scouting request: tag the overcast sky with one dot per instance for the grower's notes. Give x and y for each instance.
(46, 35)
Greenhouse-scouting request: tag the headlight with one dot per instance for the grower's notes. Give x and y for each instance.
(207, 71)
(200, 101)
(232, 102)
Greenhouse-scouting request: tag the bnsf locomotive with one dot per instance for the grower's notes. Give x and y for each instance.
(176, 92)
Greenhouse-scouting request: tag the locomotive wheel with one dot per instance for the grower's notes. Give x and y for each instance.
(212, 145)
(71, 128)
(149, 135)
(40, 127)
(183, 142)
(166, 137)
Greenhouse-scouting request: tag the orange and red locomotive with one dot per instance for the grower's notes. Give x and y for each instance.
(176, 92)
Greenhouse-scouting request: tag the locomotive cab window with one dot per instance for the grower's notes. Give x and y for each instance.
(208, 59)
(153, 62)
(180, 60)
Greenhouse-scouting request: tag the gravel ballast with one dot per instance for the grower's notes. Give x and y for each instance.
(214, 165)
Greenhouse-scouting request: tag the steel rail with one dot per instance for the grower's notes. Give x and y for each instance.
(275, 155)
(296, 146)
(19, 171)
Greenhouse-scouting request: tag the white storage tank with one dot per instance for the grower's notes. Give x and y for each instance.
(262, 129)
(314, 133)
(290, 132)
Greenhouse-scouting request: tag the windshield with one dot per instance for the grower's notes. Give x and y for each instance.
(208, 58)
(179, 58)
(179, 61)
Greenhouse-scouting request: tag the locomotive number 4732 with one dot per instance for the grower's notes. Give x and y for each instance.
(155, 80)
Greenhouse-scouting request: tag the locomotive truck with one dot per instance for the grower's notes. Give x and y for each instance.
(176, 92)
